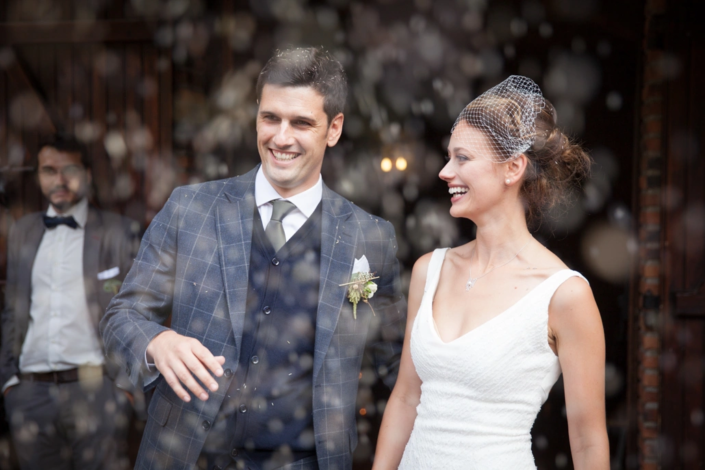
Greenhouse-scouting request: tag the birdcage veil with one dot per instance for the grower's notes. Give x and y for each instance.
(506, 116)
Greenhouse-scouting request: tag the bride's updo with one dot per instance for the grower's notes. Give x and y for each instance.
(516, 118)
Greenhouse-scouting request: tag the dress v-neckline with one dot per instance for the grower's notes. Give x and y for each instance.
(491, 320)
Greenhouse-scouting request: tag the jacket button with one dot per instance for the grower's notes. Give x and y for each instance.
(275, 261)
(233, 453)
(206, 425)
(267, 310)
(255, 359)
(243, 408)
(228, 373)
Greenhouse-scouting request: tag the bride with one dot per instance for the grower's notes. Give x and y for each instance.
(493, 323)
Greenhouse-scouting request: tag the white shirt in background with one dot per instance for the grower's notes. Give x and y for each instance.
(61, 333)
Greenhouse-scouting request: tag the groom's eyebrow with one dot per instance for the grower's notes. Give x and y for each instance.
(263, 112)
(309, 119)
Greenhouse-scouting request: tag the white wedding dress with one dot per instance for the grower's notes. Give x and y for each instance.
(481, 392)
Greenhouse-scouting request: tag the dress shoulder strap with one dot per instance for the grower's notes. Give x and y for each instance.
(552, 284)
(434, 269)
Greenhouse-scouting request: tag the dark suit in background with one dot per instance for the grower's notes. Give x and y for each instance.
(73, 418)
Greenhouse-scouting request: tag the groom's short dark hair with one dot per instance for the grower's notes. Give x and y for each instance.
(309, 66)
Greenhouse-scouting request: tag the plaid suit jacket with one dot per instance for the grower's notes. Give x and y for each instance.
(193, 264)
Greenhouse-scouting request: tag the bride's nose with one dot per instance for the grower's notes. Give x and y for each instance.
(446, 174)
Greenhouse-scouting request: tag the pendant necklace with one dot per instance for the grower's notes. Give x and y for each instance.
(471, 282)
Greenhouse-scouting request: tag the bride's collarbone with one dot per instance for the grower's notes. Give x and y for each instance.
(503, 282)
(458, 311)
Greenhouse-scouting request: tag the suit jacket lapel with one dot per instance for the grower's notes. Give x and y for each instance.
(339, 236)
(92, 239)
(234, 218)
(28, 252)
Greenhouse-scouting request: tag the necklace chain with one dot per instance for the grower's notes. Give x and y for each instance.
(471, 282)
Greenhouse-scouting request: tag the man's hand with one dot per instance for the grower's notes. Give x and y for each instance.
(179, 358)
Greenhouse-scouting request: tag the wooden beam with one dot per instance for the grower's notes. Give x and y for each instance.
(227, 51)
(165, 110)
(20, 82)
(76, 32)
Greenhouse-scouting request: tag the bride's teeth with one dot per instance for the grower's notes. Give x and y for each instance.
(457, 190)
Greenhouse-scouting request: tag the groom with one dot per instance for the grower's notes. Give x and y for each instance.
(260, 366)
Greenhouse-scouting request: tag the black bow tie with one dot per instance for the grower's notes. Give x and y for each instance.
(53, 222)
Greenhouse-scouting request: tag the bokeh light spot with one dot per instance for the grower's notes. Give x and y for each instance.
(606, 251)
(401, 164)
(614, 101)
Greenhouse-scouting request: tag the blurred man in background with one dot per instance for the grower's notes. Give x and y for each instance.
(63, 268)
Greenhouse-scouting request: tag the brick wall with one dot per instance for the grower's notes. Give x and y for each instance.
(648, 308)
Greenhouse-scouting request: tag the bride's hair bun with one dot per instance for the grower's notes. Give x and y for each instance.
(556, 164)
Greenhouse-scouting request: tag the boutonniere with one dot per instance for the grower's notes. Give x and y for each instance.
(112, 286)
(361, 286)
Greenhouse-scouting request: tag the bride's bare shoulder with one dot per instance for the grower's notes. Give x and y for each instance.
(547, 260)
(421, 266)
(418, 280)
(420, 271)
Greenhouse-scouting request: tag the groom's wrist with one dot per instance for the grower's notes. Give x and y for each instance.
(151, 349)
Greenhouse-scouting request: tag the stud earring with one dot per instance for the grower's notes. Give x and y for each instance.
(507, 181)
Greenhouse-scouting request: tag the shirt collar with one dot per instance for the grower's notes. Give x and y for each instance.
(306, 201)
(79, 211)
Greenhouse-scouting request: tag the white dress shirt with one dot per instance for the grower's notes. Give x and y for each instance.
(61, 333)
(305, 202)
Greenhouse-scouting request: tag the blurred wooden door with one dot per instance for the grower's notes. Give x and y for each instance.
(115, 96)
(683, 360)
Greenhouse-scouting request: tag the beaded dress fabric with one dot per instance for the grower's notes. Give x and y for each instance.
(481, 392)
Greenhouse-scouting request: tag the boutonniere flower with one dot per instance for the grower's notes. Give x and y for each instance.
(361, 287)
(112, 286)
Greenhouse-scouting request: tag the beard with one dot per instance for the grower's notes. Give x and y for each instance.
(64, 204)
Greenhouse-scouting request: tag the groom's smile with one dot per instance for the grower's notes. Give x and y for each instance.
(284, 156)
(292, 135)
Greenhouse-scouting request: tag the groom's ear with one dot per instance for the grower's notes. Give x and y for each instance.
(335, 129)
